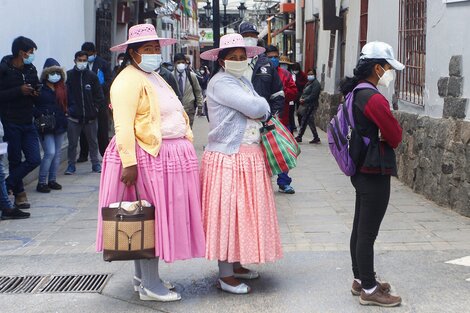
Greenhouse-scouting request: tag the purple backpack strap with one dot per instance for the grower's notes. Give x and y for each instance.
(351, 98)
(364, 86)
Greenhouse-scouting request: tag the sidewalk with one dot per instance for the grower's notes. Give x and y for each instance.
(417, 237)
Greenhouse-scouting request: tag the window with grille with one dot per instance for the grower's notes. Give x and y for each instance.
(412, 51)
(363, 23)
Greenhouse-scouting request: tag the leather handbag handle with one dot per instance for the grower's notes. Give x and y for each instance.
(136, 212)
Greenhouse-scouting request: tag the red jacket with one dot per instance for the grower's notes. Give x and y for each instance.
(300, 81)
(290, 93)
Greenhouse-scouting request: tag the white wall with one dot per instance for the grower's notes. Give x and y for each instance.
(352, 37)
(56, 26)
(447, 34)
(383, 26)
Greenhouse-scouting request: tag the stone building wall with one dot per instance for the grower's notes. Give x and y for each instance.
(327, 108)
(434, 159)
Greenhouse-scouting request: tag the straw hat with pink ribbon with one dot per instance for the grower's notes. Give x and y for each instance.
(142, 33)
(231, 41)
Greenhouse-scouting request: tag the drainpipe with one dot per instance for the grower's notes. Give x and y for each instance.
(299, 33)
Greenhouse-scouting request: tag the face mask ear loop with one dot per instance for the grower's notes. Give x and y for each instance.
(382, 70)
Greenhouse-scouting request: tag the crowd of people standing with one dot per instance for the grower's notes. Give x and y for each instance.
(223, 209)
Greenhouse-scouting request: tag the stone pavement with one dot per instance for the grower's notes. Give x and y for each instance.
(417, 237)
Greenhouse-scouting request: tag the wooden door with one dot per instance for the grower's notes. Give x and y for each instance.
(310, 45)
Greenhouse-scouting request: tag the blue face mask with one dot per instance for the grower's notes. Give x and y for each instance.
(92, 58)
(29, 59)
(275, 61)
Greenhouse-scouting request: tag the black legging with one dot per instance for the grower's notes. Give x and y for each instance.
(372, 195)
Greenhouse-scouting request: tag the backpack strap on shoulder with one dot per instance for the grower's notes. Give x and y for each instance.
(364, 86)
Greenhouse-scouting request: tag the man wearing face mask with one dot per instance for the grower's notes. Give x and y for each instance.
(85, 100)
(261, 72)
(188, 85)
(19, 86)
(102, 69)
(290, 92)
(288, 83)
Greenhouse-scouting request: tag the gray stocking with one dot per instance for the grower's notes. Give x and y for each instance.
(150, 278)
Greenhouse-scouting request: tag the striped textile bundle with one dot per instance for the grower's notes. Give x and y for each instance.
(279, 146)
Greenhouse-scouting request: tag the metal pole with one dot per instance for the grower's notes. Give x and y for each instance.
(216, 23)
(225, 19)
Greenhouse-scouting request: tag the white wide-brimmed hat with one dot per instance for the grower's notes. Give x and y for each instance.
(141, 33)
(381, 50)
(231, 41)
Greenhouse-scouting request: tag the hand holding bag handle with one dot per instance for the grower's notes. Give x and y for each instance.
(129, 235)
(136, 213)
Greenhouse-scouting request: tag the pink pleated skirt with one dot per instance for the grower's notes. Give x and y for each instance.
(170, 181)
(240, 219)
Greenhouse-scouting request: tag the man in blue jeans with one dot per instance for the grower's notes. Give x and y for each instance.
(19, 85)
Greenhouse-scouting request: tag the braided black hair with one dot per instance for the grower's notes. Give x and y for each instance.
(362, 71)
(127, 56)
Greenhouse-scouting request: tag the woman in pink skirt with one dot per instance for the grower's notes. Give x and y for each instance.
(152, 149)
(239, 214)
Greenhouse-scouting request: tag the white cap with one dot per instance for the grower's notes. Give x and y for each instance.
(381, 50)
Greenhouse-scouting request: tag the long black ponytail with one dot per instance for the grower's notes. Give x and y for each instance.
(363, 70)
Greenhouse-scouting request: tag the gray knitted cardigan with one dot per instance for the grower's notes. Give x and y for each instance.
(229, 106)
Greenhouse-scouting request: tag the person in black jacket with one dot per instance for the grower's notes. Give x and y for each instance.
(102, 69)
(85, 99)
(19, 85)
(308, 103)
(51, 101)
(262, 73)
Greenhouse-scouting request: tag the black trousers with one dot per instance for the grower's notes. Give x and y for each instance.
(308, 119)
(103, 135)
(292, 118)
(372, 196)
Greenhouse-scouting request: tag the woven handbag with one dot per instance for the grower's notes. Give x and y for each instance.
(128, 230)
(279, 146)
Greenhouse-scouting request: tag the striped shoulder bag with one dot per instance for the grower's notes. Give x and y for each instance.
(279, 146)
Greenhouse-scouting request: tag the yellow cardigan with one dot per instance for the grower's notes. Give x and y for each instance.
(136, 115)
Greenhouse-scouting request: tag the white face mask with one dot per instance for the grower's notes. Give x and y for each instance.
(180, 67)
(120, 62)
(236, 68)
(54, 78)
(386, 78)
(149, 62)
(250, 41)
(81, 65)
(310, 77)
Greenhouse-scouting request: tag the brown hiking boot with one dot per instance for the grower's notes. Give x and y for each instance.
(21, 201)
(380, 298)
(357, 288)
